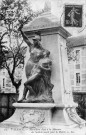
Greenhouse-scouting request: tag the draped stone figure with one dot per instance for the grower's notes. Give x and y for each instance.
(38, 73)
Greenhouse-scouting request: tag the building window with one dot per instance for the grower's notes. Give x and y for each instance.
(84, 82)
(77, 56)
(3, 82)
(3, 73)
(77, 79)
(77, 66)
(83, 51)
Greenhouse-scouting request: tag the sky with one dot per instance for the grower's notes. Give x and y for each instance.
(37, 4)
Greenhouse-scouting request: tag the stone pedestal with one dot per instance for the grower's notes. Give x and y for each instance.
(31, 115)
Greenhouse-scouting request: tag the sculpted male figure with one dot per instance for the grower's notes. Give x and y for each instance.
(38, 73)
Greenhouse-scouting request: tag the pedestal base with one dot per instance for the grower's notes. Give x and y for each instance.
(43, 114)
(30, 115)
(42, 118)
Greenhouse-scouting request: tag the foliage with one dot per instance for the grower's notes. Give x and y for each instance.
(71, 53)
(81, 108)
(13, 13)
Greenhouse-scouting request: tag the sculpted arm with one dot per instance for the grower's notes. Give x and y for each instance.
(26, 38)
(32, 77)
(45, 64)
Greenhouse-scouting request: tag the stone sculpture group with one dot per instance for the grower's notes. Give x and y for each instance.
(38, 73)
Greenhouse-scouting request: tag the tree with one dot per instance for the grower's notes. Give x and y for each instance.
(72, 55)
(13, 13)
(81, 108)
(2, 47)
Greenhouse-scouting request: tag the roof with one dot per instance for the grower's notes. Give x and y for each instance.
(76, 40)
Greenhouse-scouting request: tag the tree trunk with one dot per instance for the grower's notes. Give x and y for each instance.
(15, 84)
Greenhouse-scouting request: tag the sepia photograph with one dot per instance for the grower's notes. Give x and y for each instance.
(43, 67)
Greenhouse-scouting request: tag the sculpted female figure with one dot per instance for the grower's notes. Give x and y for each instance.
(38, 73)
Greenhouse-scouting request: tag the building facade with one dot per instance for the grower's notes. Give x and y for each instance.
(5, 81)
(77, 63)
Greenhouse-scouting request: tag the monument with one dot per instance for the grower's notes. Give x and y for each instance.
(49, 102)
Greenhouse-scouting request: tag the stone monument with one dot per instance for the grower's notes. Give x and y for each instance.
(51, 105)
